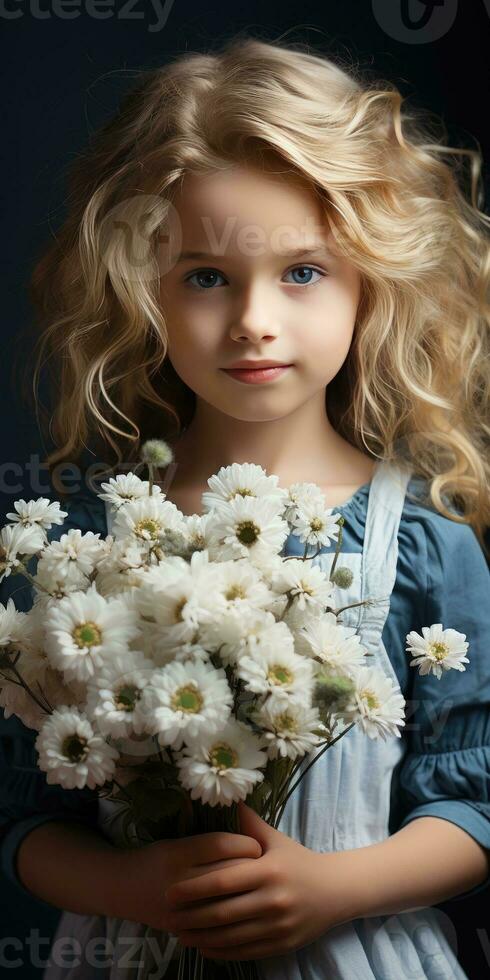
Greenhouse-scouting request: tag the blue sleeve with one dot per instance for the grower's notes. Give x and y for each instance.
(446, 770)
(26, 799)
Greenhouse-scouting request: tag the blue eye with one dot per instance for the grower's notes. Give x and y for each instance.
(311, 269)
(201, 273)
(212, 272)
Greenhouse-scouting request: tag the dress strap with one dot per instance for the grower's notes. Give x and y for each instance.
(380, 550)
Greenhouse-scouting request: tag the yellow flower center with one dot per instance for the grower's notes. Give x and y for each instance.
(316, 524)
(235, 592)
(241, 492)
(306, 588)
(439, 650)
(223, 756)
(75, 748)
(279, 675)
(148, 527)
(247, 532)
(370, 698)
(87, 634)
(286, 722)
(187, 699)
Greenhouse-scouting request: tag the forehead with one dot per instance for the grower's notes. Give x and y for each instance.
(244, 200)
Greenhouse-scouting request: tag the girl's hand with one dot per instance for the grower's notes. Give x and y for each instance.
(145, 873)
(265, 907)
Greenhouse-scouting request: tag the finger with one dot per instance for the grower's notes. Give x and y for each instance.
(215, 914)
(241, 877)
(253, 930)
(221, 845)
(252, 951)
(196, 871)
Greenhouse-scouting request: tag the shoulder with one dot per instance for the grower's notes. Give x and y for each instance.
(440, 539)
(85, 511)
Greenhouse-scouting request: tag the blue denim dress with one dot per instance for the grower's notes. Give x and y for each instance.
(343, 802)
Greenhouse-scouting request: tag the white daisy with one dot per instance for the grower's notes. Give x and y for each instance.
(41, 512)
(15, 627)
(298, 494)
(72, 559)
(306, 584)
(438, 650)
(196, 531)
(54, 579)
(222, 768)
(84, 628)
(184, 701)
(266, 564)
(162, 651)
(234, 635)
(243, 480)
(239, 585)
(244, 526)
(278, 673)
(178, 603)
(17, 542)
(376, 704)
(113, 694)
(315, 525)
(126, 488)
(337, 646)
(122, 567)
(147, 519)
(72, 753)
(288, 730)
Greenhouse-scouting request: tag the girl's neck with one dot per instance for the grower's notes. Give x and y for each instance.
(185, 479)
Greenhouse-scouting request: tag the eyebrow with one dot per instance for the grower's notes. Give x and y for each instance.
(285, 253)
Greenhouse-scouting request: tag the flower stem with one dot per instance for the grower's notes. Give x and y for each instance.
(21, 568)
(337, 549)
(26, 687)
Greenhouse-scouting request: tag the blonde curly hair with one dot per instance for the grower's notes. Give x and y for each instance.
(415, 383)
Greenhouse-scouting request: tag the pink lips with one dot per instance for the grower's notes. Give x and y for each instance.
(257, 376)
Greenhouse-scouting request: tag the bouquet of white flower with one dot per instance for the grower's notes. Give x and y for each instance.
(182, 663)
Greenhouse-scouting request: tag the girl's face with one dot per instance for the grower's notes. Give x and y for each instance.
(255, 291)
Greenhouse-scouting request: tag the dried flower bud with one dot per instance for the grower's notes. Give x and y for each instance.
(331, 691)
(342, 577)
(156, 452)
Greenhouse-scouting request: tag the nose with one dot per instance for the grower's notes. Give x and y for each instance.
(257, 320)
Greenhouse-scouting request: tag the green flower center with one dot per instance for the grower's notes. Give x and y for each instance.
(439, 650)
(187, 699)
(87, 634)
(75, 748)
(370, 698)
(279, 675)
(247, 532)
(223, 756)
(126, 697)
(148, 527)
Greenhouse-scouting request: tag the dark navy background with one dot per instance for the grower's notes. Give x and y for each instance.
(64, 70)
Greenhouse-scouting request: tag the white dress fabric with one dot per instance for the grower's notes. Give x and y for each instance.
(343, 802)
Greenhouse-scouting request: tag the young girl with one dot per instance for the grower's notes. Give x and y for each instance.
(263, 204)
